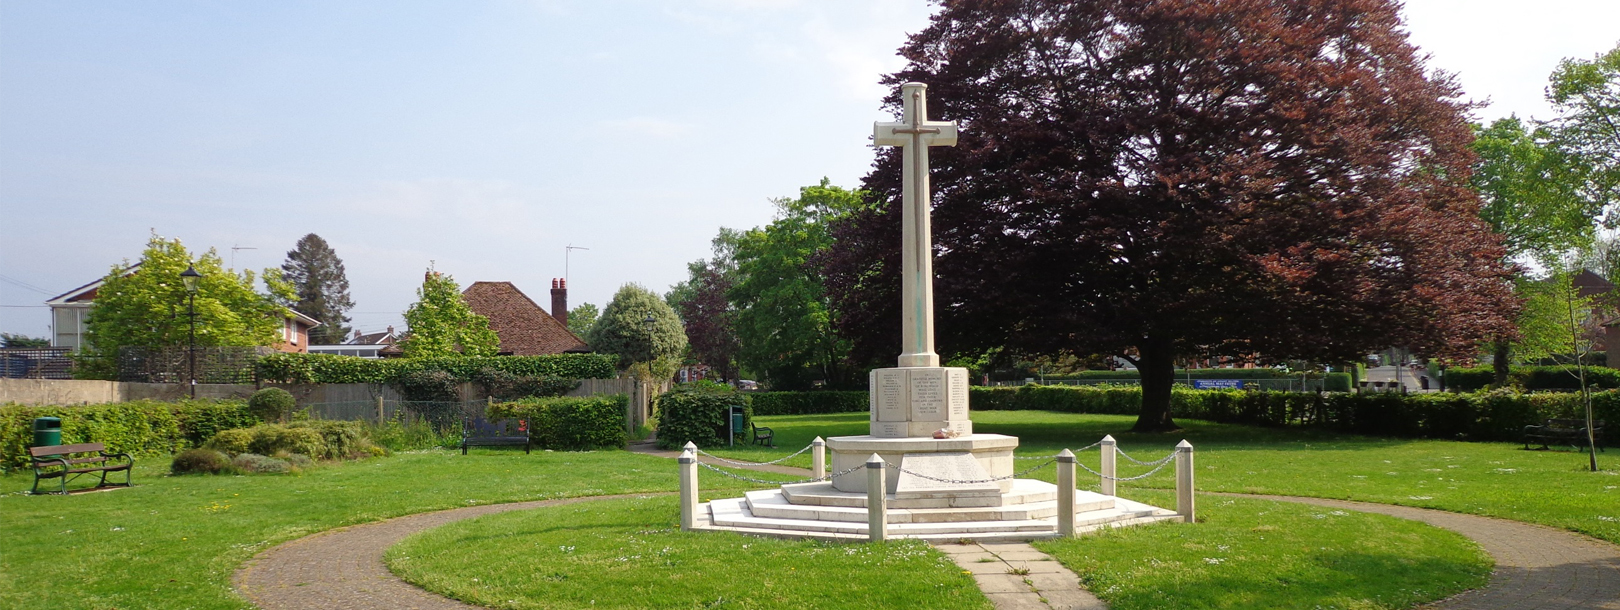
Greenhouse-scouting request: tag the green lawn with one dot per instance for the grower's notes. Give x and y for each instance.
(630, 554)
(173, 542)
(1495, 479)
(1248, 553)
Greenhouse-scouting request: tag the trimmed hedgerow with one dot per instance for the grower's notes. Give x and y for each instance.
(330, 368)
(1483, 416)
(808, 403)
(1533, 378)
(140, 427)
(699, 413)
(570, 424)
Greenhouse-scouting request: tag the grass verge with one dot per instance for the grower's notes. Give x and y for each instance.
(1262, 554)
(631, 554)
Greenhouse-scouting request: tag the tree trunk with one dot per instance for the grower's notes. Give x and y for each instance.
(1157, 366)
(1499, 363)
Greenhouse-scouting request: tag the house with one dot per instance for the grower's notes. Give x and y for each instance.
(71, 310)
(522, 326)
(364, 345)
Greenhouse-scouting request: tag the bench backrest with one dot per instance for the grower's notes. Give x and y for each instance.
(1573, 423)
(66, 449)
(479, 427)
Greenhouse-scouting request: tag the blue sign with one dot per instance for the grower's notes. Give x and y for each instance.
(1218, 384)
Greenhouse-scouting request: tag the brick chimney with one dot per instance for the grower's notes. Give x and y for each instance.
(559, 300)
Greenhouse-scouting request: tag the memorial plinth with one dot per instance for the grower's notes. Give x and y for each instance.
(993, 452)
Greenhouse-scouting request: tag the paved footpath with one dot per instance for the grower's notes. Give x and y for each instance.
(1537, 568)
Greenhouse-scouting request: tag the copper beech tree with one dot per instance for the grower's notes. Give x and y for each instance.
(1159, 179)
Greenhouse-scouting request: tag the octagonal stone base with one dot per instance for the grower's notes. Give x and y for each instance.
(994, 452)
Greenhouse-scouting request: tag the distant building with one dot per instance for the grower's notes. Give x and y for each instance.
(71, 310)
(364, 345)
(523, 327)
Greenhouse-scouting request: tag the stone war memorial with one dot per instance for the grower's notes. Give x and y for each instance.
(939, 479)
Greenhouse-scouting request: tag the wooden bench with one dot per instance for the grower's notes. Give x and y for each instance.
(59, 462)
(498, 433)
(1570, 432)
(763, 436)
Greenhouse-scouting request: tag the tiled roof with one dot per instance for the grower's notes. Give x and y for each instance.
(524, 328)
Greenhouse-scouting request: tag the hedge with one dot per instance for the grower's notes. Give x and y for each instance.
(1257, 373)
(570, 424)
(808, 403)
(1484, 416)
(698, 413)
(141, 427)
(331, 368)
(1533, 378)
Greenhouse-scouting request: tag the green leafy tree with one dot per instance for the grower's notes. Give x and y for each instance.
(1586, 95)
(148, 308)
(1544, 322)
(10, 340)
(623, 331)
(441, 324)
(705, 308)
(581, 318)
(1533, 195)
(317, 275)
(783, 321)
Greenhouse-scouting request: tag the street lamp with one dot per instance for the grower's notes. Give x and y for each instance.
(189, 278)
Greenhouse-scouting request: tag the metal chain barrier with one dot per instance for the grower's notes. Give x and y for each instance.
(971, 482)
(770, 463)
(1142, 463)
(1149, 473)
(766, 482)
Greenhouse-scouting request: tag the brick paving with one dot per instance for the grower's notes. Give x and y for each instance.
(1537, 567)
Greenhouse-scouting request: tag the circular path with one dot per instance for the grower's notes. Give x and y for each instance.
(1537, 568)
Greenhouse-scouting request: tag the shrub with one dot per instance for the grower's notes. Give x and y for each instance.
(232, 442)
(271, 438)
(272, 404)
(341, 439)
(200, 461)
(298, 461)
(1337, 382)
(807, 403)
(699, 413)
(139, 428)
(569, 424)
(260, 464)
(329, 368)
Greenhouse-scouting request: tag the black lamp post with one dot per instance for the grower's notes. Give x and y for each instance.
(189, 278)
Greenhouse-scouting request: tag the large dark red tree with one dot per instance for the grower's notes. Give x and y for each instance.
(1168, 178)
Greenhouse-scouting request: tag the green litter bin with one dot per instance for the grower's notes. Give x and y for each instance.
(47, 431)
(738, 430)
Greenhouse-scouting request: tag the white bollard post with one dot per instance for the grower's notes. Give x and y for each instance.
(877, 515)
(689, 488)
(1065, 485)
(1184, 481)
(1109, 454)
(818, 458)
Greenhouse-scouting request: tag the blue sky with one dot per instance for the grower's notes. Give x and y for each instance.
(486, 136)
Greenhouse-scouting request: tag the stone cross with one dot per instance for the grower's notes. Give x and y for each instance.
(916, 133)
